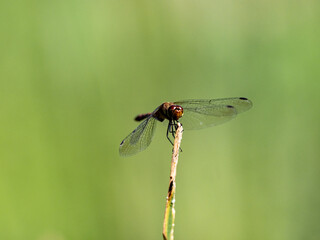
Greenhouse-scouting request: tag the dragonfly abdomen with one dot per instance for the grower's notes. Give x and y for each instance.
(140, 117)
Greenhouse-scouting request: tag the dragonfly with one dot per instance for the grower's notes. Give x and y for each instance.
(192, 114)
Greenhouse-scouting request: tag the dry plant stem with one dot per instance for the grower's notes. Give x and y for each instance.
(169, 216)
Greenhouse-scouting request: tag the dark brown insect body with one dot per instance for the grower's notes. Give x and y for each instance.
(194, 114)
(167, 110)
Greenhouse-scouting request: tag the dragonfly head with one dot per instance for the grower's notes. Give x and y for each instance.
(175, 112)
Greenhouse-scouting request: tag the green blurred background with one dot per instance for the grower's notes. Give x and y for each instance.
(75, 73)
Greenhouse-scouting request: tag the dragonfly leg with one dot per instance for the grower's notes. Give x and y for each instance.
(172, 131)
(176, 125)
(168, 130)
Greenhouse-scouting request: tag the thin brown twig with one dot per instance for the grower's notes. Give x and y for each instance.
(169, 216)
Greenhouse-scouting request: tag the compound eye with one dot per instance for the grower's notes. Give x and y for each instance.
(172, 108)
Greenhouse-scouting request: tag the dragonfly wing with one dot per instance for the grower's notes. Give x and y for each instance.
(241, 104)
(206, 113)
(197, 118)
(139, 139)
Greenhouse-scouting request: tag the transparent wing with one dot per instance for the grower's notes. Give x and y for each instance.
(206, 113)
(197, 118)
(139, 139)
(241, 104)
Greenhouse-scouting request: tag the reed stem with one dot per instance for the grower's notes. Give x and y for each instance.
(169, 216)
